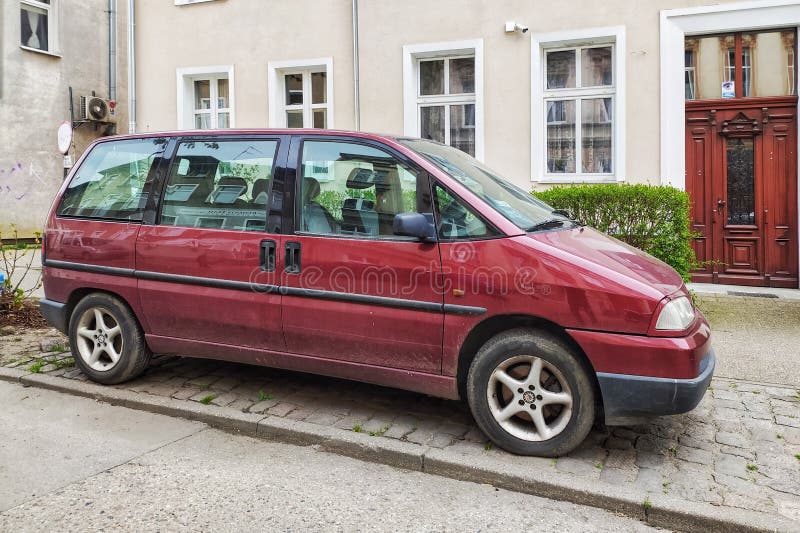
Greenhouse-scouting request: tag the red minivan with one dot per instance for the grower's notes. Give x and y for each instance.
(395, 261)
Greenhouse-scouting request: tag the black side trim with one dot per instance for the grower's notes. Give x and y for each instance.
(207, 282)
(95, 269)
(382, 301)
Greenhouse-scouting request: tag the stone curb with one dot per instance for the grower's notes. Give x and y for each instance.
(515, 475)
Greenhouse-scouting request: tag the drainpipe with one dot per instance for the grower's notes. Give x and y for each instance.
(112, 50)
(357, 101)
(131, 67)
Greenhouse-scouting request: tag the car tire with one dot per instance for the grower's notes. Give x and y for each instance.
(531, 394)
(106, 340)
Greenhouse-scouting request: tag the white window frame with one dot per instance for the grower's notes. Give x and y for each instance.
(185, 96)
(541, 43)
(190, 2)
(412, 101)
(52, 9)
(276, 97)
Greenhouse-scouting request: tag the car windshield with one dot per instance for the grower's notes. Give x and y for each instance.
(518, 206)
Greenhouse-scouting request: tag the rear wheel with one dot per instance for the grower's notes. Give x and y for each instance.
(530, 394)
(106, 340)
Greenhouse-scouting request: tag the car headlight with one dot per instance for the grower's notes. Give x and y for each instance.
(676, 315)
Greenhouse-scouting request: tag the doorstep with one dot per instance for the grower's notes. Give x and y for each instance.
(740, 290)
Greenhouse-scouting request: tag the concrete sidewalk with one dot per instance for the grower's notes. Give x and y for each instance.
(729, 465)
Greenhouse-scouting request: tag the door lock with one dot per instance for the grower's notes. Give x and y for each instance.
(720, 205)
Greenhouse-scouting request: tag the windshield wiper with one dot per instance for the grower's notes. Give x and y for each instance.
(548, 224)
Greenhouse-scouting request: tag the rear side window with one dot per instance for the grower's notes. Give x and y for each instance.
(220, 184)
(110, 183)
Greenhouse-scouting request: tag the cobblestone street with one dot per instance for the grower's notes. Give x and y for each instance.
(740, 448)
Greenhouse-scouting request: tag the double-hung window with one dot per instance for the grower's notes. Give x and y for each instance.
(579, 101)
(212, 108)
(443, 94)
(38, 30)
(205, 98)
(301, 93)
(446, 101)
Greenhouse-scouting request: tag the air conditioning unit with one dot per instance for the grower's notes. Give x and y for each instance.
(98, 109)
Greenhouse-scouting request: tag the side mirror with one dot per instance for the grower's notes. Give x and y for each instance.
(414, 225)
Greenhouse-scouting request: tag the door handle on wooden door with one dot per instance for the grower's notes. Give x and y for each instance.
(720, 205)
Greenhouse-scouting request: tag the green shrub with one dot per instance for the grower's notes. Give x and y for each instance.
(652, 218)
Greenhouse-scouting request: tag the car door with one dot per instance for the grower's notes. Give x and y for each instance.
(354, 291)
(207, 262)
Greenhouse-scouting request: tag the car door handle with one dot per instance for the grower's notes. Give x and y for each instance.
(292, 259)
(266, 255)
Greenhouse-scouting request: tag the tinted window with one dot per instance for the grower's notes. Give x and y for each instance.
(219, 184)
(110, 182)
(518, 206)
(456, 221)
(353, 189)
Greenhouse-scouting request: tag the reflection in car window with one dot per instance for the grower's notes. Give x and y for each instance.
(110, 183)
(457, 221)
(353, 189)
(219, 184)
(521, 208)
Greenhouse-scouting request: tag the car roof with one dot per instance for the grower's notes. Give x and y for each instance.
(255, 131)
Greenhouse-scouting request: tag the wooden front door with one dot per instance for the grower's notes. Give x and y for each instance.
(741, 175)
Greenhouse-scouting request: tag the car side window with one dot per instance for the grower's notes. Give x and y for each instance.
(110, 183)
(352, 189)
(219, 184)
(456, 220)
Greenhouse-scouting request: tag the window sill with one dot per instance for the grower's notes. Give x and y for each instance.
(554, 180)
(43, 52)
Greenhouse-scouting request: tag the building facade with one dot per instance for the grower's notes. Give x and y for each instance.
(680, 92)
(48, 47)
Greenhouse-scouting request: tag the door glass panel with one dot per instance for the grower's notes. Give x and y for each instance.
(432, 123)
(431, 77)
(294, 89)
(294, 119)
(455, 220)
(741, 181)
(596, 135)
(219, 185)
(689, 74)
(772, 55)
(462, 128)
(202, 94)
(561, 69)
(319, 88)
(354, 190)
(596, 66)
(462, 75)
(561, 136)
(708, 63)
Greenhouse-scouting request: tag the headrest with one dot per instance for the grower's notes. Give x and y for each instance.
(232, 180)
(358, 204)
(311, 189)
(259, 186)
(364, 178)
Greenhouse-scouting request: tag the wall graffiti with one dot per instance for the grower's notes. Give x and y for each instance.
(12, 181)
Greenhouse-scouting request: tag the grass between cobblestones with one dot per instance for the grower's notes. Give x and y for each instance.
(740, 448)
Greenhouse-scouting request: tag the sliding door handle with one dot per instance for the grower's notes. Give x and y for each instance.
(266, 255)
(292, 259)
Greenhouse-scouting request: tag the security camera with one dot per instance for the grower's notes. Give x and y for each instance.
(512, 27)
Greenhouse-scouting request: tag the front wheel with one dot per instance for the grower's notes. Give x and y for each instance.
(530, 394)
(106, 340)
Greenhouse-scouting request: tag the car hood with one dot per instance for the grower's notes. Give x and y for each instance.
(619, 263)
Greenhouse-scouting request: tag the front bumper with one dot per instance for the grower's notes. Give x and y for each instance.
(55, 313)
(627, 398)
